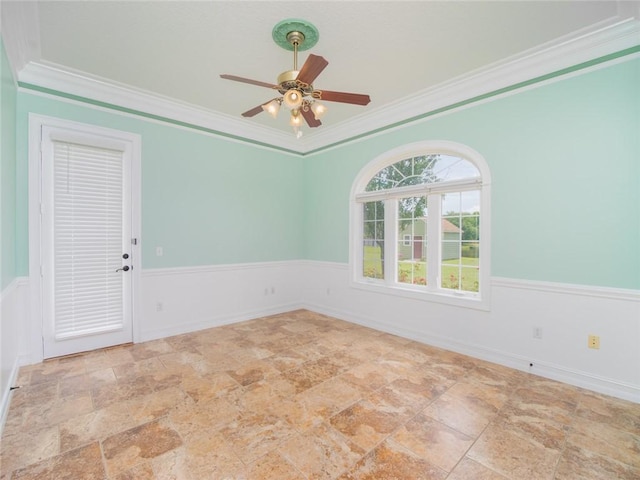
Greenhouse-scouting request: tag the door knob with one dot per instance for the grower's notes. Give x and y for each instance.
(125, 256)
(125, 268)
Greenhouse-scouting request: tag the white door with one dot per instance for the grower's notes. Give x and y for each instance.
(86, 241)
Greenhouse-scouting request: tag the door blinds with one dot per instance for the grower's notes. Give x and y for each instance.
(87, 234)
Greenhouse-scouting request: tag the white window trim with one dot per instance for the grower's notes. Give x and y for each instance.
(388, 285)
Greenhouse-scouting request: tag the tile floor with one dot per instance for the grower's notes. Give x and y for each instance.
(305, 396)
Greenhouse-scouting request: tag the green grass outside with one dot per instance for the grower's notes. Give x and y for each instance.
(450, 271)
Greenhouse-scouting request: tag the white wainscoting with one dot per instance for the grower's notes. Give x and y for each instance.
(181, 300)
(13, 316)
(566, 315)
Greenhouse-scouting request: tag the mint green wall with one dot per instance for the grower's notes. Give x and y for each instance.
(8, 93)
(563, 157)
(205, 200)
(565, 165)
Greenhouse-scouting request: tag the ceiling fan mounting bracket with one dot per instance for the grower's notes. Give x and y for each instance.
(286, 32)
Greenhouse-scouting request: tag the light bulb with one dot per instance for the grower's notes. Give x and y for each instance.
(272, 107)
(318, 109)
(295, 120)
(292, 99)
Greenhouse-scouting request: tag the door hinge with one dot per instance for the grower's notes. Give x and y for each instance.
(134, 241)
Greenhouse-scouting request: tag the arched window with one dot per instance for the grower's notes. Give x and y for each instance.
(420, 223)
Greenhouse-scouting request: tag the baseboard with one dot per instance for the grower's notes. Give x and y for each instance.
(6, 397)
(543, 369)
(219, 321)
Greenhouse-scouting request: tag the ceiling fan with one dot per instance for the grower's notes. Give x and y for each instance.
(296, 86)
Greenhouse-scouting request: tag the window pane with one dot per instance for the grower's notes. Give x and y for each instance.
(422, 169)
(373, 240)
(412, 254)
(460, 250)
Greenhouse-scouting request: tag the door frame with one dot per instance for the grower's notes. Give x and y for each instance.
(35, 339)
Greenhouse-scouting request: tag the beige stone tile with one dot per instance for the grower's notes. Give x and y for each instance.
(467, 407)
(83, 463)
(94, 426)
(529, 401)
(513, 456)
(146, 350)
(433, 441)
(617, 413)
(311, 373)
(142, 471)
(250, 354)
(497, 376)
(172, 465)
(253, 435)
(22, 449)
(209, 455)
(370, 421)
(30, 395)
(57, 411)
(86, 382)
(155, 405)
(121, 391)
(413, 391)
(54, 370)
(263, 397)
(302, 396)
(467, 469)
(190, 418)
(395, 364)
(605, 440)
(392, 461)
(125, 450)
(218, 360)
(321, 453)
(273, 465)
(536, 421)
(182, 361)
(369, 375)
(202, 388)
(332, 396)
(581, 464)
(287, 359)
(252, 371)
(138, 369)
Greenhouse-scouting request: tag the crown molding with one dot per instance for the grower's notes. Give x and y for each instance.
(563, 56)
(79, 85)
(20, 33)
(553, 58)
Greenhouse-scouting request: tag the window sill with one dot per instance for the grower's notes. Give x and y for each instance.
(457, 300)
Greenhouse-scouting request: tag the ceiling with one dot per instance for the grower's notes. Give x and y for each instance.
(174, 52)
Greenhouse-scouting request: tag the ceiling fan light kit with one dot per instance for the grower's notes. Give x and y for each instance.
(295, 86)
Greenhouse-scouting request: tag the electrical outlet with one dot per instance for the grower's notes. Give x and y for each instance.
(594, 341)
(537, 332)
(159, 306)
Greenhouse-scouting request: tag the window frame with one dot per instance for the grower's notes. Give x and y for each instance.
(389, 285)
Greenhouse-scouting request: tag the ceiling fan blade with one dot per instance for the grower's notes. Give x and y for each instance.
(343, 97)
(314, 65)
(310, 118)
(248, 80)
(256, 110)
(253, 112)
